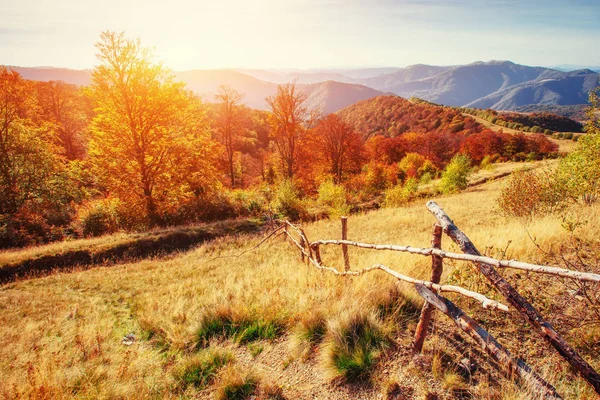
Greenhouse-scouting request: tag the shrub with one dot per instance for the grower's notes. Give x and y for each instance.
(399, 195)
(454, 177)
(249, 202)
(378, 177)
(332, 198)
(99, 217)
(411, 164)
(486, 163)
(579, 171)
(426, 178)
(26, 228)
(202, 369)
(288, 202)
(530, 193)
(353, 346)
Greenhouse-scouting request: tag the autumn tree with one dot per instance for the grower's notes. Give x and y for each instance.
(64, 107)
(593, 112)
(289, 119)
(34, 186)
(338, 146)
(21, 150)
(230, 125)
(140, 133)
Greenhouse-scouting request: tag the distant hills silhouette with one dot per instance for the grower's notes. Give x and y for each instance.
(500, 85)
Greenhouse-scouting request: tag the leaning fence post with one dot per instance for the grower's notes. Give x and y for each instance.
(436, 274)
(489, 344)
(529, 313)
(344, 246)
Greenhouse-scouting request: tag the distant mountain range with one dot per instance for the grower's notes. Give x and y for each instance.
(329, 95)
(500, 85)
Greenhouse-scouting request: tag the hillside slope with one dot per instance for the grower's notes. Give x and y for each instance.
(129, 331)
(332, 96)
(391, 116)
(565, 89)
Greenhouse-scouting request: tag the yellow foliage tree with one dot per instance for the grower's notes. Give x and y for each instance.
(150, 143)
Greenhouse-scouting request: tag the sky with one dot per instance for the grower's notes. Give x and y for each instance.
(302, 34)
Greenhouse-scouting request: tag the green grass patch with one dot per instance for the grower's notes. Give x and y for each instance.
(240, 326)
(255, 349)
(202, 369)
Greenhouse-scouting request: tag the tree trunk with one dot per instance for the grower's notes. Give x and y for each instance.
(231, 171)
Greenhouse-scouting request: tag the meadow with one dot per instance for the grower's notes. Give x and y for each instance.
(226, 319)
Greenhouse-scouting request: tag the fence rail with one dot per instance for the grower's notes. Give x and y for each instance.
(429, 290)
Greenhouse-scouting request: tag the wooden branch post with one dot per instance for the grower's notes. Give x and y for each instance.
(489, 343)
(317, 251)
(436, 274)
(303, 244)
(516, 300)
(345, 247)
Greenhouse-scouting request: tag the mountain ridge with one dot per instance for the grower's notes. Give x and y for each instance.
(496, 84)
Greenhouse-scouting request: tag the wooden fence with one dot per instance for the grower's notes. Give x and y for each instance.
(430, 292)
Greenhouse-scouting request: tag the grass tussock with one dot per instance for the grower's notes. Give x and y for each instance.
(353, 346)
(308, 332)
(237, 385)
(240, 325)
(202, 369)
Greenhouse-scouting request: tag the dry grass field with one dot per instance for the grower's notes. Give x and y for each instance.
(210, 322)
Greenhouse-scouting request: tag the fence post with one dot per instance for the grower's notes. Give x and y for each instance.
(317, 250)
(344, 246)
(303, 246)
(436, 273)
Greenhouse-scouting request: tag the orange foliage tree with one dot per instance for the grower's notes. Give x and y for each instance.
(338, 147)
(68, 111)
(289, 119)
(147, 131)
(26, 160)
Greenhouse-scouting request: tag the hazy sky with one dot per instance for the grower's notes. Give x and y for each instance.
(189, 34)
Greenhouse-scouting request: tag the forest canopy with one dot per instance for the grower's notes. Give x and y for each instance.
(136, 149)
